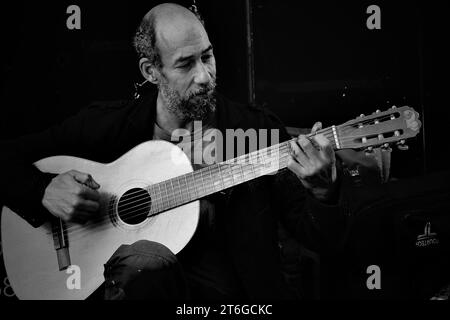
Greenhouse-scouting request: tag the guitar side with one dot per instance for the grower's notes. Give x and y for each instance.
(30, 255)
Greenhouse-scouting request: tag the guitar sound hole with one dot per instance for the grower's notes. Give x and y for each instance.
(134, 206)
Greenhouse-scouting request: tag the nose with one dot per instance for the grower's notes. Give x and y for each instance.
(202, 75)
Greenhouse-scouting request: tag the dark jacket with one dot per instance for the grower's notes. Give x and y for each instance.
(104, 131)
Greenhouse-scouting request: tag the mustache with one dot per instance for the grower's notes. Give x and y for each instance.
(207, 90)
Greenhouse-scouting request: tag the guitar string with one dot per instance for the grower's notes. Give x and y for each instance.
(248, 156)
(244, 179)
(342, 140)
(78, 234)
(128, 201)
(251, 156)
(169, 202)
(174, 190)
(262, 150)
(175, 204)
(331, 138)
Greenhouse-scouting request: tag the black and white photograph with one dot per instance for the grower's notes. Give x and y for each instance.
(224, 158)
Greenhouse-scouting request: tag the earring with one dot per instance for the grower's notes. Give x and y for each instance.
(137, 88)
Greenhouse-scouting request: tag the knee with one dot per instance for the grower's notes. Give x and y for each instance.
(142, 255)
(134, 268)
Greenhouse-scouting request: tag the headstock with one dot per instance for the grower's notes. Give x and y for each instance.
(380, 129)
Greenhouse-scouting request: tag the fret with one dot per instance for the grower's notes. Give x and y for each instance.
(221, 176)
(173, 191)
(261, 163)
(226, 174)
(256, 164)
(215, 178)
(240, 172)
(274, 159)
(203, 183)
(176, 192)
(212, 181)
(182, 189)
(284, 152)
(244, 168)
(188, 191)
(193, 181)
(154, 199)
(230, 170)
(252, 166)
(161, 197)
(198, 183)
(209, 181)
(167, 200)
(207, 177)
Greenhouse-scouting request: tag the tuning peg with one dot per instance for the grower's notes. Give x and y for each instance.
(368, 151)
(386, 146)
(402, 146)
(393, 107)
(362, 115)
(378, 111)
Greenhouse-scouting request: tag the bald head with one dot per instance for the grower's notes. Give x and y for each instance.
(165, 27)
(170, 12)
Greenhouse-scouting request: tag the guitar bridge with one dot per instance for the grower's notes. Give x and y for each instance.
(61, 244)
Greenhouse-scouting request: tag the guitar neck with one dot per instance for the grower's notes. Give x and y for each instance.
(224, 175)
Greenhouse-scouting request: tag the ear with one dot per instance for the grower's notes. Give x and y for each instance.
(148, 71)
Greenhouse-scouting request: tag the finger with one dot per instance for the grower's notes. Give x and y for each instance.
(92, 183)
(80, 177)
(84, 178)
(326, 149)
(296, 167)
(80, 217)
(75, 215)
(317, 126)
(89, 194)
(88, 206)
(309, 150)
(298, 154)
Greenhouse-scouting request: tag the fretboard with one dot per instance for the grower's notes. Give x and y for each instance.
(198, 184)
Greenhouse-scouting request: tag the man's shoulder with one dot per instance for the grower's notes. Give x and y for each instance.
(101, 113)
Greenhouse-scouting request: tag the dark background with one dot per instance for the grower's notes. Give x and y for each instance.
(312, 61)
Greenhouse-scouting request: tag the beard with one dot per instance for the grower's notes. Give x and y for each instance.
(196, 106)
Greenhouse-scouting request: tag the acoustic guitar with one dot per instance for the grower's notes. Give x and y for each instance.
(152, 193)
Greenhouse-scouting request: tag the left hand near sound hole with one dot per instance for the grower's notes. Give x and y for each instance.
(72, 196)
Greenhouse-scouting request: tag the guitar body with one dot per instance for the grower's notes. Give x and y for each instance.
(29, 253)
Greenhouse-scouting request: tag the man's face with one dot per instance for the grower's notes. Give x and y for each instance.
(187, 77)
